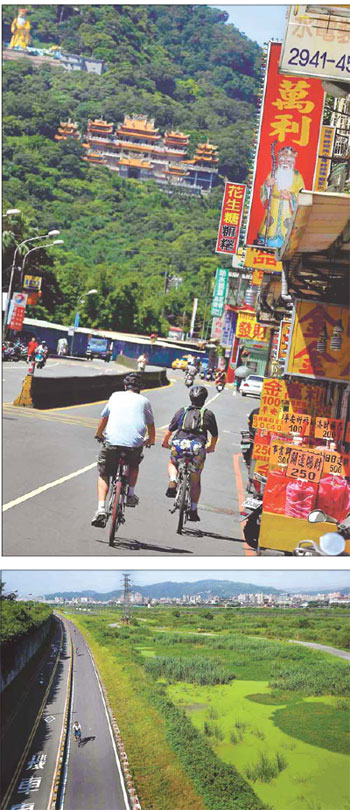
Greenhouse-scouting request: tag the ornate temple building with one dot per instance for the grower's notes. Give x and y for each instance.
(67, 129)
(136, 150)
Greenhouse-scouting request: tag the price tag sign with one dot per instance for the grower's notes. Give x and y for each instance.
(267, 422)
(304, 464)
(336, 464)
(261, 451)
(295, 423)
(279, 454)
(329, 428)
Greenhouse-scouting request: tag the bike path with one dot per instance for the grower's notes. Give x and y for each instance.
(53, 455)
(93, 779)
(324, 648)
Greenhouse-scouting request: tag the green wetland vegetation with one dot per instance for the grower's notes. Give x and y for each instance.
(216, 715)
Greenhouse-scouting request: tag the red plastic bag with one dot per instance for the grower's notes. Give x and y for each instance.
(334, 496)
(300, 499)
(275, 493)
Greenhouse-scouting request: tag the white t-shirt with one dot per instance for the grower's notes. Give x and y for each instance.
(128, 415)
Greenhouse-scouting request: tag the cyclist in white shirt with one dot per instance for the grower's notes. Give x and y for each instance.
(124, 421)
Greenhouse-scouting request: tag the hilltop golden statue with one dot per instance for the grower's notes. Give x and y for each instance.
(20, 28)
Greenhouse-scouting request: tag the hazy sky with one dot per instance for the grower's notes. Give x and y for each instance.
(259, 22)
(41, 582)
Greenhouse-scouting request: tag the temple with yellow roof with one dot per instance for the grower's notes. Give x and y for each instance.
(67, 129)
(135, 149)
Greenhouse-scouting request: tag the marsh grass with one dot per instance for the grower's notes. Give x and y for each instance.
(266, 769)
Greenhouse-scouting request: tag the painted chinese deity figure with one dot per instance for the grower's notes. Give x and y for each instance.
(279, 197)
(20, 28)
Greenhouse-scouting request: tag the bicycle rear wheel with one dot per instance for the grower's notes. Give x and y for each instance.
(116, 513)
(183, 502)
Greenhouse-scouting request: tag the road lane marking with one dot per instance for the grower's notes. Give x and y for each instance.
(39, 490)
(247, 550)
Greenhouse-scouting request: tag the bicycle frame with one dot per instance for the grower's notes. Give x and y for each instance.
(182, 500)
(117, 499)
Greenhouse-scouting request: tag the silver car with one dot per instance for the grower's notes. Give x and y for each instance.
(252, 385)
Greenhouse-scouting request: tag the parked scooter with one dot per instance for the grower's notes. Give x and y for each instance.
(253, 503)
(331, 544)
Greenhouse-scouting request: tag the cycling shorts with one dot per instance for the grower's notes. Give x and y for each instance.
(108, 458)
(184, 447)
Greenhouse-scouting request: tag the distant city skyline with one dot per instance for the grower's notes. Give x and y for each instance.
(267, 22)
(39, 583)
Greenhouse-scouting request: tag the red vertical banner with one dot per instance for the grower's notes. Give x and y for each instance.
(231, 218)
(291, 116)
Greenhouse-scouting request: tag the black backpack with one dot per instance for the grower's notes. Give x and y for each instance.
(192, 419)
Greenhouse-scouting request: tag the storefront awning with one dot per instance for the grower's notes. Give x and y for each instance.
(319, 219)
(316, 251)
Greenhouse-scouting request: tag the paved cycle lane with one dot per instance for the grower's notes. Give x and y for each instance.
(92, 779)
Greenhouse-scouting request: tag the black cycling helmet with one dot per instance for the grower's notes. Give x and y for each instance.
(133, 382)
(198, 394)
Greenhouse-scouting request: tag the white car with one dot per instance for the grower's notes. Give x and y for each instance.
(252, 385)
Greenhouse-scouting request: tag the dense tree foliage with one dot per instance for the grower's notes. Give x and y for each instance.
(20, 618)
(182, 65)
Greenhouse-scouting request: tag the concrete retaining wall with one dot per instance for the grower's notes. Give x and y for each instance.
(17, 654)
(56, 392)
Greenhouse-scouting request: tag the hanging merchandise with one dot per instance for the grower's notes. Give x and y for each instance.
(334, 496)
(300, 499)
(275, 493)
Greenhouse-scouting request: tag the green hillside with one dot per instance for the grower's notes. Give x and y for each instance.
(183, 66)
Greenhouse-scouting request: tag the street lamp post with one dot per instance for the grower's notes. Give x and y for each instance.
(50, 244)
(11, 212)
(76, 320)
(9, 293)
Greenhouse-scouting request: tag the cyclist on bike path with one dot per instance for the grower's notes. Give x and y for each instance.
(124, 421)
(190, 426)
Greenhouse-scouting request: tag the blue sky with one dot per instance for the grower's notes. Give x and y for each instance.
(41, 582)
(259, 22)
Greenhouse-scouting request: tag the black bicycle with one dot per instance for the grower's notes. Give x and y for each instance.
(182, 500)
(118, 496)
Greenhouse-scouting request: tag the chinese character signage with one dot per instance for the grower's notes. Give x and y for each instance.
(283, 339)
(325, 151)
(17, 311)
(32, 283)
(326, 428)
(220, 291)
(290, 122)
(249, 329)
(317, 44)
(216, 329)
(262, 260)
(320, 342)
(231, 216)
(228, 328)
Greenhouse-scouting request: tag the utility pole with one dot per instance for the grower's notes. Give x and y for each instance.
(127, 607)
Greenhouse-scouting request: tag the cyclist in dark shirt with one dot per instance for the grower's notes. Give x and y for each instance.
(191, 426)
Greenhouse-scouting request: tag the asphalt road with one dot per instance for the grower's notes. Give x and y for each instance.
(92, 773)
(49, 481)
(32, 728)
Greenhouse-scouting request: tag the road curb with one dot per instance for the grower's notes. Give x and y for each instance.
(56, 782)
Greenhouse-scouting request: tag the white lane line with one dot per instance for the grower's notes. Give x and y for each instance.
(38, 491)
